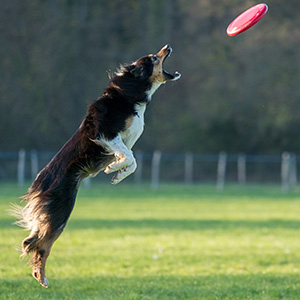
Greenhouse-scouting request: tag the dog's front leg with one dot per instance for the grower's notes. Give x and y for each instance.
(125, 163)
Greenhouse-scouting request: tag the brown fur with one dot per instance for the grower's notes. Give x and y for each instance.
(51, 197)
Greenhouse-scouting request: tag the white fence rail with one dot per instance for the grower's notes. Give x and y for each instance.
(188, 168)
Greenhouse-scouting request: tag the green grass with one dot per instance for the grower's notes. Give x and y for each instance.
(130, 242)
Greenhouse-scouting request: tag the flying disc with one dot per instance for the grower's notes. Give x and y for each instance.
(247, 19)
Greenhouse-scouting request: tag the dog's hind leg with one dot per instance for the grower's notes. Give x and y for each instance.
(40, 249)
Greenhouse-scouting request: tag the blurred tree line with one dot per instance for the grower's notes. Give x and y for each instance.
(237, 94)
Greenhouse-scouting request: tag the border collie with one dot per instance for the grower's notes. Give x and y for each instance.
(103, 141)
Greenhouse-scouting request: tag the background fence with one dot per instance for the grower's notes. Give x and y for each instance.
(188, 168)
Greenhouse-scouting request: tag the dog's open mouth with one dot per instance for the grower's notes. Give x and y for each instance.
(163, 54)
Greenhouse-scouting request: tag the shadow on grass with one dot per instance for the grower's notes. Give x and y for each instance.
(172, 224)
(182, 224)
(252, 286)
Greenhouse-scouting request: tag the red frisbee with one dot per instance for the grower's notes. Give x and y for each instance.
(247, 19)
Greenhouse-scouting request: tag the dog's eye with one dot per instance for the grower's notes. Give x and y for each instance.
(155, 59)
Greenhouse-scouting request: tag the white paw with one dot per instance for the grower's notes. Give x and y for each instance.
(122, 162)
(123, 173)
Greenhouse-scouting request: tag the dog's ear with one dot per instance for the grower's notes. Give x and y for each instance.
(137, 71)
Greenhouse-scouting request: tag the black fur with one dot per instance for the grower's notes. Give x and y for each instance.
(58, 182)
(51, 197)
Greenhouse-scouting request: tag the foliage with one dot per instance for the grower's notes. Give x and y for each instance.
(236, 94)
(173, 243)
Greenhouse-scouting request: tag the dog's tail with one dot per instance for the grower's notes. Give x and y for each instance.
(34, 217)
(46, 220)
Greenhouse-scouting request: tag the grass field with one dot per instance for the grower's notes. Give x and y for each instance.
(128, 242)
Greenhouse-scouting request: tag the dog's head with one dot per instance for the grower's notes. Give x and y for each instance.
(151, 67)
(148, 71)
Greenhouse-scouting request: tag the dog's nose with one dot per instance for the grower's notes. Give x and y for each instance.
(167, 47)
(165, 51)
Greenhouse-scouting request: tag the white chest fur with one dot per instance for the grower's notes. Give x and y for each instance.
(154, 87)
(134, 131)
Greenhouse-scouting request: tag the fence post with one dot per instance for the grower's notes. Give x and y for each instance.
(34, 164)
(188, 168)
(241, 164)
(155, 168)
(293, 170)
(285, 171)
(221, 170)
(21, 168)
(139, 169)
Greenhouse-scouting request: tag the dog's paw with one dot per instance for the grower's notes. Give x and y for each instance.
(123, 173)
(111, 168)
(123, 163)
(117, 178)
(43, 281)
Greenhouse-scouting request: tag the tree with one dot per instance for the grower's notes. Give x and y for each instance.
(236, 94)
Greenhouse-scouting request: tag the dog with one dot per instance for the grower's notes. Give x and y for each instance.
(103, 141)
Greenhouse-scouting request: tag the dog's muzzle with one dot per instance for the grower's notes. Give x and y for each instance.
(163, 54)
